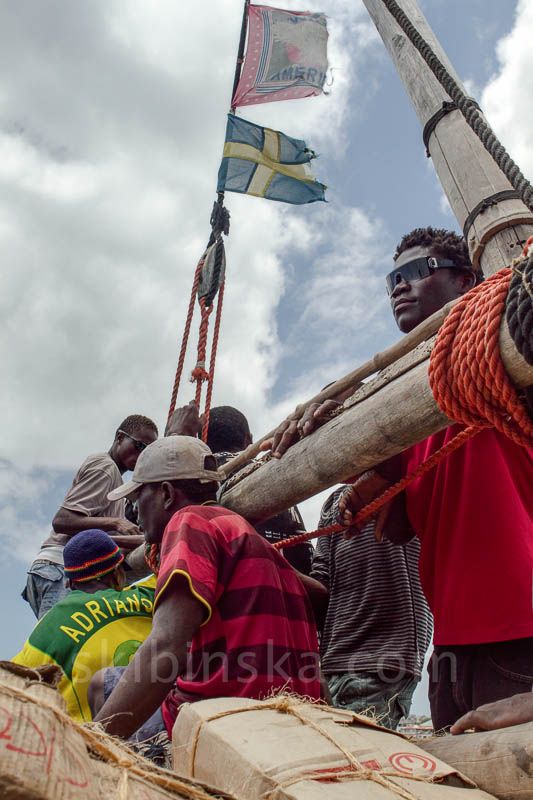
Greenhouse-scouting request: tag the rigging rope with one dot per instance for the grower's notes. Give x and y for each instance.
(207, 283)
(466, 105)
(185, 339)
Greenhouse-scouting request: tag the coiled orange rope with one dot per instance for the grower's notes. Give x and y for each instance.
(469, 383)
(466, 373)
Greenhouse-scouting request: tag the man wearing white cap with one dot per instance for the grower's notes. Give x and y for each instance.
(231, 616)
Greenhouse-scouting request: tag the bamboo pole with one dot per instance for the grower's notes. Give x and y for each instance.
(398, 416)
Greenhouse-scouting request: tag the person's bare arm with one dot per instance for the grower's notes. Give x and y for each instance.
(71, 522)
(156, 664)
(136, 561)
(317, 593)
(292, 430)
(185, 421)
(502, 714)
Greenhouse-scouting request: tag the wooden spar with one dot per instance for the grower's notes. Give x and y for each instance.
(466, 171)
(399, 415)
(240, 52)
(353, 379)
(404, 411)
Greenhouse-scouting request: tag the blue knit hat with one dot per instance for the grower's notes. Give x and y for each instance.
(89, 555)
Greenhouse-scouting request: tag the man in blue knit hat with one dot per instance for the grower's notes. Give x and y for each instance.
(98, 624)
(86, 507)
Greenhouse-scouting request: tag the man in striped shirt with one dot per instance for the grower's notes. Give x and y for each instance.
(231, 616)
(378, 625)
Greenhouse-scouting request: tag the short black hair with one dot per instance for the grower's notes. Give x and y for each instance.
(197, 492)
(135, 423)
(228, 430)
(446, 243)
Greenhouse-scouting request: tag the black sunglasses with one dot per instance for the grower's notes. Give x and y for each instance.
(138, 445)
(416, 270)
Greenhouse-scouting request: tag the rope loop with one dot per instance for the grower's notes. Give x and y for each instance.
(519, 307)
(466, 372)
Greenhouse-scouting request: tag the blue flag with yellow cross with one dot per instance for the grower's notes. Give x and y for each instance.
(267, 163)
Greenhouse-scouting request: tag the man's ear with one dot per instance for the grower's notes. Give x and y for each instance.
(119, 577)
(466, 280)
(169, 494)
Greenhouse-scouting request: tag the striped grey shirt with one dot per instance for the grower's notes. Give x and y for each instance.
(378, 617)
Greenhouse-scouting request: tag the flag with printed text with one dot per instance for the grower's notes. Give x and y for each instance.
(286, 56)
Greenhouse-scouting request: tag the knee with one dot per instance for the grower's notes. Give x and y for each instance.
(95, 694)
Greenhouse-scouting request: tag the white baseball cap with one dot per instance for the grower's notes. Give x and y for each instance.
(172, 458)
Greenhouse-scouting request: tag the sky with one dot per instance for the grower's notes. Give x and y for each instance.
(112, 118)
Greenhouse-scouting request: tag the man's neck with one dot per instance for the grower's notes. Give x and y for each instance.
(112, 454)
(92, 586)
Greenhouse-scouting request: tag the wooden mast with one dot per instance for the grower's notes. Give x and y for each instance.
(466, 171)
(404, 411)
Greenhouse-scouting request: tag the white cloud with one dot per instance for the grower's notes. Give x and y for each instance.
(506, 100)
(22, 527)
(112, 120)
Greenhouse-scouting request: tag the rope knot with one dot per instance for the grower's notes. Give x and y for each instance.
(199, 373)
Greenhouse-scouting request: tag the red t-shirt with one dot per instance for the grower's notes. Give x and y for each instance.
(474, 516)
(259, 632)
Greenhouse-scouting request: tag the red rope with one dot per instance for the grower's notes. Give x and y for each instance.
(374, 506)
(211, 376)
(199, 373)
(185, 339)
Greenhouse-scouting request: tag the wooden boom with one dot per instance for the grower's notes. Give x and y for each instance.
(403, 412)
(398, 415)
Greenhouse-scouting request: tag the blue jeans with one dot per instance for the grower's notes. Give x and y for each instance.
(45, 585)
(386, 697)
(151, 738)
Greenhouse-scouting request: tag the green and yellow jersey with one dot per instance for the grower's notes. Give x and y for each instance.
(86, 632)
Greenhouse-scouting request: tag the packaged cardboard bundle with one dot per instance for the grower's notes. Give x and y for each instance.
(44, 755)
(501, 762)
(287, 749)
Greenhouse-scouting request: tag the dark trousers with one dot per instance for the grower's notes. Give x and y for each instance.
(463, 677)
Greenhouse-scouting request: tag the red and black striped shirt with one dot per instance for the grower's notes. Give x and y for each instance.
(258, 634)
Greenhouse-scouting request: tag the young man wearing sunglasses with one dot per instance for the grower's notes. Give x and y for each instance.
(85, 507)
(473, 513)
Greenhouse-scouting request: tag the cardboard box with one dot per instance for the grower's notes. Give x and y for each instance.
(286, 749)
(44, 755)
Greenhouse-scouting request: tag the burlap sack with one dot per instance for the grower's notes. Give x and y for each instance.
(501, 762)
(44, 755)
(286, 749)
